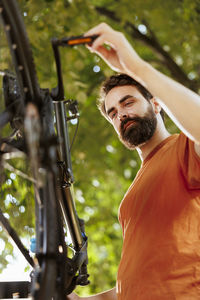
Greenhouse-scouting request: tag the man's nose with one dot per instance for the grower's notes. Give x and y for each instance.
(122, 116)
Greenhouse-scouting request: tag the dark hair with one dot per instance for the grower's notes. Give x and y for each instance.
(121, 80)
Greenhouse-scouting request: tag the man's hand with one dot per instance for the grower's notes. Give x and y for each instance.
(115, 50)
(176, 99)
(107, 295)
(72, 296)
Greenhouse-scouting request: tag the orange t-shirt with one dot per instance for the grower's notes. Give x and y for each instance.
(160, 219)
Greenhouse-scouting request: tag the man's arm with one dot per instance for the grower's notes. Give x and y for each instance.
(180, 103)
(108, 295)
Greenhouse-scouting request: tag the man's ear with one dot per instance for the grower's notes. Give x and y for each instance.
(156, 105)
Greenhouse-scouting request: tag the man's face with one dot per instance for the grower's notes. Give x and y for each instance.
(131, 115)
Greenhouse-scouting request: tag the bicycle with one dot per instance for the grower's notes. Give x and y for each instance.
(30, 111)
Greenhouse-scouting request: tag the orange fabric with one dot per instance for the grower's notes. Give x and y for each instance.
(160, 219)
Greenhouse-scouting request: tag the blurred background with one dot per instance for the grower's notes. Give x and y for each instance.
(164, 33)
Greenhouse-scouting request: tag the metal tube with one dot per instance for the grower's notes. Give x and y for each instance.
(67, 202)
(64, 143)
(71, 218)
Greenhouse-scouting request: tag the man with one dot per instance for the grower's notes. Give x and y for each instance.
(160, 213)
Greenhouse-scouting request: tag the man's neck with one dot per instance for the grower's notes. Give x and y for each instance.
(160, 135)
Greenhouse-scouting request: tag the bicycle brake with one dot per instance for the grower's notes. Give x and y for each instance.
(12, 100)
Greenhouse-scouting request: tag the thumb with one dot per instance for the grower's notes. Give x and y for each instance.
(72, 296)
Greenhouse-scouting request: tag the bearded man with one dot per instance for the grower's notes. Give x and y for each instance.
(160, 213)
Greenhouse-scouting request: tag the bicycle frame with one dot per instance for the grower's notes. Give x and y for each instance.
(53, 257)
(67, 206)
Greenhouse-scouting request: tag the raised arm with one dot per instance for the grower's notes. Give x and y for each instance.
(180, 103)
(108, 295)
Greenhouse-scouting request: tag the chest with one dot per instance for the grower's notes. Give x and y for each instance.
(158, 194)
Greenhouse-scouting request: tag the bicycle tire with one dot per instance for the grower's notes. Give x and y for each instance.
(30, 92)
(21, 51)
(55, 273)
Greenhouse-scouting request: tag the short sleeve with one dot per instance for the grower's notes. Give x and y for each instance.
(189, 161)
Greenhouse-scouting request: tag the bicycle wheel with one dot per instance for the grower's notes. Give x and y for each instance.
(19, 91)
(20, 51)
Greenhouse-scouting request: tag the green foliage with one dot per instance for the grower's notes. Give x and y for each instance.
(103, 168)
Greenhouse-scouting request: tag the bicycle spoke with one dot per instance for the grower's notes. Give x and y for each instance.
(16, 239)
(19, 173)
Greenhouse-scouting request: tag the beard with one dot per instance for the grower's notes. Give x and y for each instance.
(140, 131)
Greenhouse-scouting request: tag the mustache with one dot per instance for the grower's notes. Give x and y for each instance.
(125, 121)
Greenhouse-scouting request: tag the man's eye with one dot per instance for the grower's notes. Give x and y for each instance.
(128, 103)
(113, 115)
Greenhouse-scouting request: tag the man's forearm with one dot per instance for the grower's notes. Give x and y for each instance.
(176, 99)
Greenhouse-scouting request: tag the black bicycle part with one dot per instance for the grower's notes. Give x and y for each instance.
(58, 92)
(13, 103)
(64, 143)
(29, 92)
(15, 238)
(76, 40)
(21, 52)
(52, 276)
(16, 289)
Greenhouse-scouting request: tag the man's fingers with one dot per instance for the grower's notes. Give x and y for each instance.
(105, 45)
(72, 296)
(98, 42)
(102, 52)
(99, 29)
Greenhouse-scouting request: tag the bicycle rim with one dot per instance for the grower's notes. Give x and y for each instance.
(21, 51)
(29, 91)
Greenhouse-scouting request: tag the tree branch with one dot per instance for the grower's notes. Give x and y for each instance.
(152, 42)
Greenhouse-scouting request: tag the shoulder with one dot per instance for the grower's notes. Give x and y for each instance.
(194, 145)
(187, 144)
(197, 148)
(188, 154)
